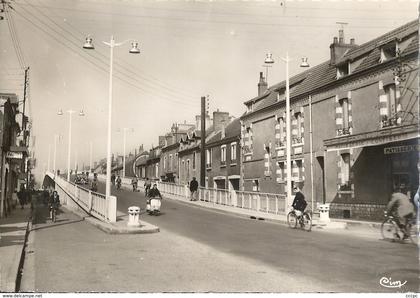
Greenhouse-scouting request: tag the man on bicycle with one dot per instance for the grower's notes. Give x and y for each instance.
(299, 204)
(401, 209)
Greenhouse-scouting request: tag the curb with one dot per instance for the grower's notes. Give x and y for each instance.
(145, 228)
(316, 225)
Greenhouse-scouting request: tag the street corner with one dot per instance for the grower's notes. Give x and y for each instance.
(121, 227)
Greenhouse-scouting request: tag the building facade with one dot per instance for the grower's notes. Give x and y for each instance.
(353, 127)
(223, 157)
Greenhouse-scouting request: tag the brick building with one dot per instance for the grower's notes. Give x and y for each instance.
(363, 104)
(223, 162)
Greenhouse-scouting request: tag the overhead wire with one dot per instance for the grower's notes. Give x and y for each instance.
(189, 20)
(100, 67)
(13, 37)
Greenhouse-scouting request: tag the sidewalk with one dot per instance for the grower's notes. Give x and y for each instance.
(12, 232)
(359, 228)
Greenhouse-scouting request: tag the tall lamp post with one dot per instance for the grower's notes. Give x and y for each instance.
(134, 50)
(71, 112)
(287, 59)
(125, 130)
(56, 139)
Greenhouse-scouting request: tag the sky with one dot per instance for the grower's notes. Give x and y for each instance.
(188, 49)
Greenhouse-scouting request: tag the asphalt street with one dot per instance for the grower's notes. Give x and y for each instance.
(345, 261)
(200, 250)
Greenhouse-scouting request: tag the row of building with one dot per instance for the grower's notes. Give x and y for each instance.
(15, 161)
(354, 132)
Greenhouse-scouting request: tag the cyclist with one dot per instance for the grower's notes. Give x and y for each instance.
(299, 204)
(401, 209)
(147, 186)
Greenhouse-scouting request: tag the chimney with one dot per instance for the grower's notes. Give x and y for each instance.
(338, 48)
(220, 119)
(262, 85)
(223, 131)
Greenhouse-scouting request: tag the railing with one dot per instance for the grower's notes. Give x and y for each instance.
(92, 202)
(256, 201)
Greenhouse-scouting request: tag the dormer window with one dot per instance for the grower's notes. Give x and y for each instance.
(343, 70)
(389, 51)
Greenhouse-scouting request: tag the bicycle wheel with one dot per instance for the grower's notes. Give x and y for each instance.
(306, 222)
(413, 230)
(292, 219)
(388, 229)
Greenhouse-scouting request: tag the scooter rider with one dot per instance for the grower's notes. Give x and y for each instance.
(154, 201)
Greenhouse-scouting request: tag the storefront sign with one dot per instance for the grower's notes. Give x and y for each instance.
(15, 155)
(401, 149)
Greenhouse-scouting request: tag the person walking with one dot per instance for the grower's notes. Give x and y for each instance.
(193, 189)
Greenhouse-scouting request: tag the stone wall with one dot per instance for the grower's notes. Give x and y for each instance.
(371, 212)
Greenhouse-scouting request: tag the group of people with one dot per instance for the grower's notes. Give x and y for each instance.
(51, 199)
(116, 180)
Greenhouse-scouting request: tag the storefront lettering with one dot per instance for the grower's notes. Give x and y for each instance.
(401, 149)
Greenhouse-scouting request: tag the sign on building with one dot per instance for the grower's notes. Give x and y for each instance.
(401, 149)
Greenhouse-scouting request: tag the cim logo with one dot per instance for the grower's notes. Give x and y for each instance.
(389, 283)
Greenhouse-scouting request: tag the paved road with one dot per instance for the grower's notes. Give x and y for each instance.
(339, 260)
(202, 250)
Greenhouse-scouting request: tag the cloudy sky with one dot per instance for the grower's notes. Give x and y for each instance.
(188, 49)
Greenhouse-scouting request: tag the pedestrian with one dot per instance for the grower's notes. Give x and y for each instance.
(21, 197)
(193, 189)
(147, 186)
(113, 179)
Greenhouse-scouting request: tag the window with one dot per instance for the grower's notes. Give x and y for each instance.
(223, 155)
(345, 172)
(389, 110)
(343, 70)
(297, 127)
(344, 103)
(157, 171)
(281, 172)
(194, 160)
(248, 141)
(389, 51)
(188, 169)
(233, 153)
(209, 158)
(164, 162)
(299, 169)
(170, 162)
(280, 132)
(255, 185)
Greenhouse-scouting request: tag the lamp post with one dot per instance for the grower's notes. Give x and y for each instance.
(287, 59)
(125, 129)
(134, 50)
(56, 139)
(60, 113)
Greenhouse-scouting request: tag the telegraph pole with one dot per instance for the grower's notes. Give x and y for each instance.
(203, 143)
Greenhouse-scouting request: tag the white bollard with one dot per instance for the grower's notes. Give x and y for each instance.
(324, 212)
(133, 216)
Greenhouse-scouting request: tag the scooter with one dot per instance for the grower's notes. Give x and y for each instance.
(153, 206)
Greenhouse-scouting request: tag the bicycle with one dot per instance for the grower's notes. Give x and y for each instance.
(304, 220)
(392, 231)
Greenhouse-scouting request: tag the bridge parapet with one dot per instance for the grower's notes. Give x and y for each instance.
(93, 203)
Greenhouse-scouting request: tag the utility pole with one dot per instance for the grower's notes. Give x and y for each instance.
(203, 143)
(24, 105)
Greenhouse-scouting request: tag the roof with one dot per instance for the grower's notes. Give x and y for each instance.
(233, 129)
(325, 73)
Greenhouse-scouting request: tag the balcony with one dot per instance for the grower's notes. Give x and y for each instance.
(280, 143)
(389, 121)
(343, 131)
(297, 140)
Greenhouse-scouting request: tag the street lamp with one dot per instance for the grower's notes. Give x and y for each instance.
(60, 113)
(56, 138)
(269, 60)
(134, 50)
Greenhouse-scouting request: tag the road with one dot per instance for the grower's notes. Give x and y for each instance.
(203, 250)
